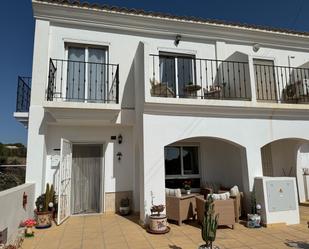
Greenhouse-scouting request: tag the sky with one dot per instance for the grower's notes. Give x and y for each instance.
(17, 34)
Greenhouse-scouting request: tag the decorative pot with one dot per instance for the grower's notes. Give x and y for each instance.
(44, 219)
(158, 223)
(29, 232)
(124, 210)
(188, 191)
(253, 221)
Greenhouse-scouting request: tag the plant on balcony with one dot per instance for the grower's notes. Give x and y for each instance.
(44, 207)
(124, 208)
(209, 224)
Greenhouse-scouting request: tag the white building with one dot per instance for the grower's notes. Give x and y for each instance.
(131, 102)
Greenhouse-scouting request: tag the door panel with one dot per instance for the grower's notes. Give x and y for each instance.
(64, 187)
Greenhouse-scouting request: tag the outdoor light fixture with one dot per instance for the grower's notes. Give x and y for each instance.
(25, 200)
(119, 155)
(177, 40)
(256, 47)
(120, 139)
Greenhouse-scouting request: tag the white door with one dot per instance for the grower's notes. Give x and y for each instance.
(64, 187)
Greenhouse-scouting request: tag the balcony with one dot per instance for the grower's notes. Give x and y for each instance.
(281, 84)
(79, 81)
(89, 90)
(188, 77)
(23, 100)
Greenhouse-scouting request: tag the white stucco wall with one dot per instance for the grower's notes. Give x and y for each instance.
(118, 175)
(12, 212)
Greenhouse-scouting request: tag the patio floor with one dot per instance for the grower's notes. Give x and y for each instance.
(114, 231)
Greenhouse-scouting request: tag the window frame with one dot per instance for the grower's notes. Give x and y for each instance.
(86, 49)
(182, 175)
(175, 56)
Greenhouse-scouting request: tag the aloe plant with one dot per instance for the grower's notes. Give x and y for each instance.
(210, 223)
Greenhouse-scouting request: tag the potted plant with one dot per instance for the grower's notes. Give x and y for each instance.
(124, 208)
(187, 186)
(209, 224)
(44, 208)
(254, 219)
(157, 221)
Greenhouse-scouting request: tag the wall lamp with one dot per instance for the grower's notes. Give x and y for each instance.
(177, 40)
(119, 155)
(120, 139)
(256, 47)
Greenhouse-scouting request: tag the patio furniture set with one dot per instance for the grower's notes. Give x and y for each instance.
(182, 207)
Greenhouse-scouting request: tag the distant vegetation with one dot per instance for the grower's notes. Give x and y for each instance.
(12, 154)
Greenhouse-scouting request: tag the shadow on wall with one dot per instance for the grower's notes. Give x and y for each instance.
(127, 103)
(233, 77)
(297, 244)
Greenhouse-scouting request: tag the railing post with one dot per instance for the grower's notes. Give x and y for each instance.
(117, 85)
(252, 79)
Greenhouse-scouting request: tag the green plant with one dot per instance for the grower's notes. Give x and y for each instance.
(210, 223)
(125, 202)
(187, 185)
(253, 202)
(42, 202)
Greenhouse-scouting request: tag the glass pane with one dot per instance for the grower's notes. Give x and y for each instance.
(76, 74)
(190, 160)
(167, 73)
(96, 74)
(185, 74)
(172, 161)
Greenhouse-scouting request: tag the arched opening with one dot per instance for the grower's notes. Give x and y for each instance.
(288, 158)
(206, 162)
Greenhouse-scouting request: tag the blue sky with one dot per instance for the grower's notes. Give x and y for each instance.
(17, 31)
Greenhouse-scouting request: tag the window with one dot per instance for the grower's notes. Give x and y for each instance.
(181, 163)
(86, 74)
(177, 71)
(266, 86)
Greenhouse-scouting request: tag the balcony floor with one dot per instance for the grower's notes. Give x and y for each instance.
(114, 231)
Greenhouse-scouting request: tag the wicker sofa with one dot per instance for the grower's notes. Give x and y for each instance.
(225, 209)
(238, 199)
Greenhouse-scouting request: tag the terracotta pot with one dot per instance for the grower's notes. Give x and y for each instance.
(158, 223)
(44, 219)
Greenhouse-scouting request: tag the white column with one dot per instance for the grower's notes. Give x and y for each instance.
(36, 155)
(251, 168)
(252, 79)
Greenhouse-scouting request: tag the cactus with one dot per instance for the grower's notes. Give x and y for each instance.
(42, 202)
(210, 223)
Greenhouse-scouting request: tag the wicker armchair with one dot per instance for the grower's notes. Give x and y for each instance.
(225, 209)
(180, 208)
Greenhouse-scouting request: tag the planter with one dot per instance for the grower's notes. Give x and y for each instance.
(188, 192)
(29, 232)
(44, 219)
(208, 247)
(124, 210)
(158, 224)
(253, 221)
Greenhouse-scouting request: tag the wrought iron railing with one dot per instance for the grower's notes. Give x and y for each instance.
(281, 84)
(190, 77)
(79, 81)
(23, 94)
